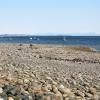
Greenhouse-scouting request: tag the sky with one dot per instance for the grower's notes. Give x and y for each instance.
(50, 17)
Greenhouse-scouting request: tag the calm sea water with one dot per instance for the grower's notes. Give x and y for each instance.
(90, 41)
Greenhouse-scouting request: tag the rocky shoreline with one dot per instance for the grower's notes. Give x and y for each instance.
(49, 72)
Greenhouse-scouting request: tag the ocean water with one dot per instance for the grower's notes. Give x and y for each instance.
(88, 41)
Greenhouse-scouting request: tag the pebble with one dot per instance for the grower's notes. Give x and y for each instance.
(78, 93)
(54, 83)
(30, 97)
(49, 86)
(64, 90)
(88, 95)
(92, 91)
(1, 90)
(58, 96)
(74, 82)
(1, 68)
(61, 87)
(9, 77)
(26, 81)
(95, 97)
(10, 98)
(44, 89)
(49, 80)
(55, 89)
(1, 98)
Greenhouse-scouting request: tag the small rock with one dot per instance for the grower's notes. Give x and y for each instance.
(9, 89)
(23, 90)
(26, 81)
(64, 90)
(78, 98)
(9, 77)
(49, 86)
(54, 83)
(30, 97)
(49, 80)
(1, 90)
(95, 97)
(1, 98)
(61, 87)
(74, 82)
(20, 81)
(92, 90)
(38, 90)
(78, 93)
(55, 89)
(46, 98)
(58, 96)
(0, 68)
(44, 89)
(88, 95)
(10, 98)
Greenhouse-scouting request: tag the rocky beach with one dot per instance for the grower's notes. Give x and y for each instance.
(49, 72)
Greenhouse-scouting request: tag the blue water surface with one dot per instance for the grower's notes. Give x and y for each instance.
(89, 41)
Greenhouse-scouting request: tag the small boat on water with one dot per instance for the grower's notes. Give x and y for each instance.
(64, 39)
(31, 38)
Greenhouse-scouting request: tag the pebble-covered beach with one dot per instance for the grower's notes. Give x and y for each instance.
(49, 72)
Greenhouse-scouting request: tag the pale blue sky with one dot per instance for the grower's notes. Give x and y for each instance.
(56, 16)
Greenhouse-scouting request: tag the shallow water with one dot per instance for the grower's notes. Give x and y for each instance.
(89, 41)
